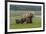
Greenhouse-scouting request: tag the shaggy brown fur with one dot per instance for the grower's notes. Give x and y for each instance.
(27, 18)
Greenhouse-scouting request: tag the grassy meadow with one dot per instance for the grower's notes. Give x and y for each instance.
(36, 21)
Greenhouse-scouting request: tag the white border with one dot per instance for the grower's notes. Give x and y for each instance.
(28, 29)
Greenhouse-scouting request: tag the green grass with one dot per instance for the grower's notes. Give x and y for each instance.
(35, 24)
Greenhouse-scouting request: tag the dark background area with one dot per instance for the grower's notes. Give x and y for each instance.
(25, 7)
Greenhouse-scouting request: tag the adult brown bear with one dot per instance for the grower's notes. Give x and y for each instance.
(28, 17)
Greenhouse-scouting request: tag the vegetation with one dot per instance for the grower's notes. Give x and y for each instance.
(36, 22)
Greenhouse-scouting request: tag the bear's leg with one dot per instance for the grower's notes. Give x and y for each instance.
(28, 20)
(22, 20)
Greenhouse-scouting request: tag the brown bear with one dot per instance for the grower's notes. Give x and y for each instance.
(28, 17)
(21, 21)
